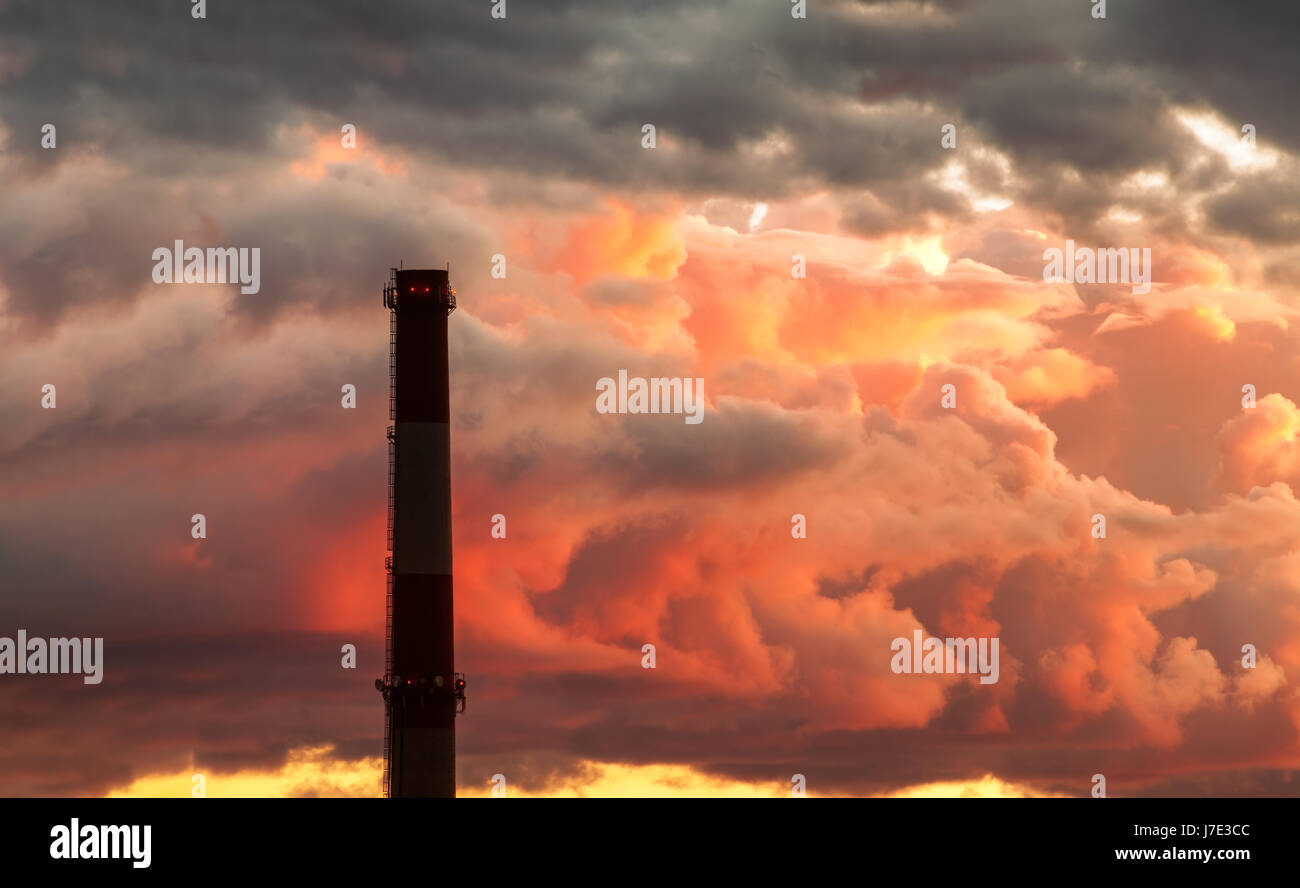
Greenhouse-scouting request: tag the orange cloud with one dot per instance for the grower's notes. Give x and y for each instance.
(1260, 447)
(1051, 375)
(620, 242)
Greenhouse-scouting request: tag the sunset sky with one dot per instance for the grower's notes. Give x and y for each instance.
(775, 136)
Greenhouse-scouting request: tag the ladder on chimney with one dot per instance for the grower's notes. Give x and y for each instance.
(390, 302)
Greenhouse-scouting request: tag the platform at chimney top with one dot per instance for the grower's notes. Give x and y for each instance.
(422, 286)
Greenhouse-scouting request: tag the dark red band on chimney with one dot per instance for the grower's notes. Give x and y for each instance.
(423, 389)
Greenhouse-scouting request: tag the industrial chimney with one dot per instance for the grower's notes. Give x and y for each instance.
(422, 691)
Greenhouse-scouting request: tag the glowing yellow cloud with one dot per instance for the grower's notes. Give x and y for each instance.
(987, 787)
(313, 771)
(309, 771)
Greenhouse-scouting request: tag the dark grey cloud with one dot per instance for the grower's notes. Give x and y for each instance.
(561, 89)
(1264, 208)
(737, 443)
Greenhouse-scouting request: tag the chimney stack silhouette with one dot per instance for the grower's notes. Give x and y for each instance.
(422, 691)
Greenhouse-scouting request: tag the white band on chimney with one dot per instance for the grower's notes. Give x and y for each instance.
(422, 544)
